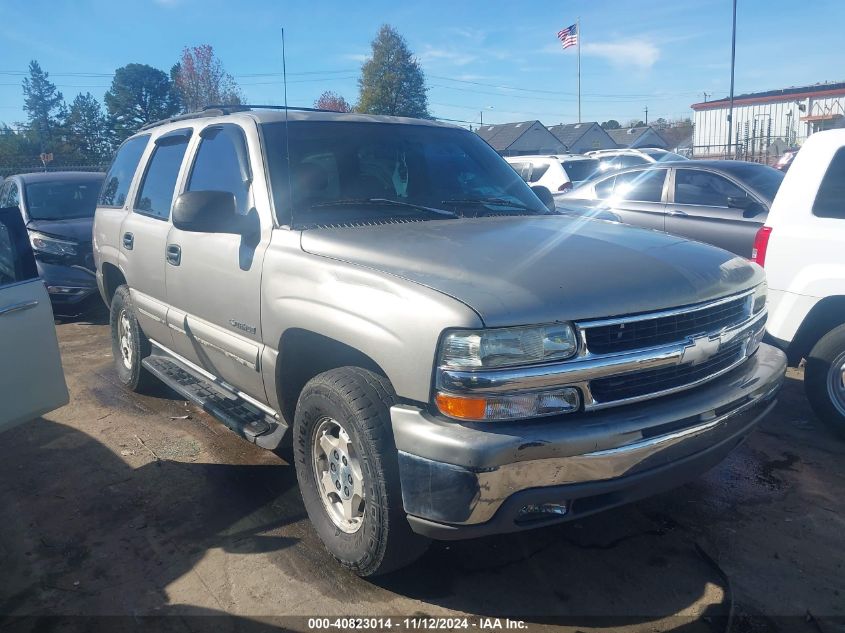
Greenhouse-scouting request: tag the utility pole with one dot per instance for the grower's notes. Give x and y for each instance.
(733, 60)
(706, 94)
(646, 115)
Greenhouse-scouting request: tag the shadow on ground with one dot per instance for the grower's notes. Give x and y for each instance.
(86, 533)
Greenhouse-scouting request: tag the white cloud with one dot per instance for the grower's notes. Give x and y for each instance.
(639, 53)
(355, 57)
(451, 57)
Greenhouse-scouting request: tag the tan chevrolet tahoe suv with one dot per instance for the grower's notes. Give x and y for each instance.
(452, 358)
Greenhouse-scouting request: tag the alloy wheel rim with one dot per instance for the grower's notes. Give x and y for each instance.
(124, 333)
(338, 474)
(836, 383)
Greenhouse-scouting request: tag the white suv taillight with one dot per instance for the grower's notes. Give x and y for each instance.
(761, 244)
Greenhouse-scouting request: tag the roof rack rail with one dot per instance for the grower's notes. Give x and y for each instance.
(221, 110)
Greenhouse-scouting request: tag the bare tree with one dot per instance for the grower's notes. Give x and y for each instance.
(332, 101)
(200, 80)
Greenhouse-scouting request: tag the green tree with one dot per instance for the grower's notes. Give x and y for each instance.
(139, 94)
(86, 129)
(200, 80)
(613, 124)
(44, 106)
(392, 81)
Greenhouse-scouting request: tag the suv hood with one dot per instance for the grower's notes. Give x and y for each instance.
(522, 270)
(76, 229)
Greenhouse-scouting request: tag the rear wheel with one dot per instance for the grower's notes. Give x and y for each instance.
(129, 344)
(347, 467)
(824, 379)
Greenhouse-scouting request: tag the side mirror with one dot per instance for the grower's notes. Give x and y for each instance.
(545, 196)
(207, 212)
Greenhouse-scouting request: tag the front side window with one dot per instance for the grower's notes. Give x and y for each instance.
(830, 199)
(354, 172)
(62, 200)
(116, 185)
(222, 164)
(13, 198)
(16, 261)
(156, 195)
(640, 186)
(604, 189)
(704, 188)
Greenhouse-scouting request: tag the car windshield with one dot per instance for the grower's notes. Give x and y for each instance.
(62, 199)
(580, 169)
(347, 172)
(662, 154)
(762, 178)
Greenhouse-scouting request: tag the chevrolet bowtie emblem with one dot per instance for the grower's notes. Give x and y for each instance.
(700, 350)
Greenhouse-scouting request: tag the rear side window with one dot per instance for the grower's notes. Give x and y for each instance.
(11, 196)
(116, 184)
(538, 170)
(830, 199)
(156, 195)
(640, 186)
(704, 188)
(605, 188)
(222, 164)
(523, 169)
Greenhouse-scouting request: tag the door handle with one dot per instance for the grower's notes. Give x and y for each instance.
(128, 241)
(676, 212)
(174, 254)
(17, 307)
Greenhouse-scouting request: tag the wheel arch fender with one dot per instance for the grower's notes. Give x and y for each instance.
(822, 318)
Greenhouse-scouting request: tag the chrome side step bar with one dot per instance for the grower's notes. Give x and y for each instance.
(241, 416)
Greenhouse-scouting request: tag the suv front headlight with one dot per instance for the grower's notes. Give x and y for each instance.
(500, 349)
(759, 298)
(46, 244)
(508, 347)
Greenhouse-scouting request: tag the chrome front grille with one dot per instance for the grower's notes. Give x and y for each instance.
(655, 381)
(633, 333)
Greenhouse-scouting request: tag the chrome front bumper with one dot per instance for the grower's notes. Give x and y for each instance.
(461, 480)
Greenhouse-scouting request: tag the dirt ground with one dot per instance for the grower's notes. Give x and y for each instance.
(127, 505)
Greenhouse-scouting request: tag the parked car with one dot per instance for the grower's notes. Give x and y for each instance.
(58, 209)
(33, 382)
(560, 172)
(802, 247)
(613, 159)
(786, 159)
(721, 202)
(454, 359)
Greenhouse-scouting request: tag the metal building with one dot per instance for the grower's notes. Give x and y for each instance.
(766, 123)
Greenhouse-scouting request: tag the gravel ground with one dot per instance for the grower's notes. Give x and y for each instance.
(128, 505)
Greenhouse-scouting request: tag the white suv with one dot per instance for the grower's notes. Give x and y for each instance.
(557, 172)
(802, 247)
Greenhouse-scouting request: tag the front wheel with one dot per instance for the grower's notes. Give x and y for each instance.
(824, 379)
(128, 342)
(347, 467)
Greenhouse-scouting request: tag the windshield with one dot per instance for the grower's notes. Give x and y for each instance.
(579, 170)
(62, 200)
(762, 178)
(351, 172)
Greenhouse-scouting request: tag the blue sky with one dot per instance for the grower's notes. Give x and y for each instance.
(658, 54)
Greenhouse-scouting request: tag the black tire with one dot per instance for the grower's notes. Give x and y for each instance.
(360, 400)
(129, 370)
(825, 360)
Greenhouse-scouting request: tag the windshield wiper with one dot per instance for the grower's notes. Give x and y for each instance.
(387, 201)
(491, 201)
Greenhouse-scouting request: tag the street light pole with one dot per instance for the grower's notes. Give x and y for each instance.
(733, 60)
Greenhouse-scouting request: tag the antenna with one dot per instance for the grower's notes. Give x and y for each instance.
(287, 133)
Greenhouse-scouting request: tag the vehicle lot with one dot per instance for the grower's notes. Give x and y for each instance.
(119, 504)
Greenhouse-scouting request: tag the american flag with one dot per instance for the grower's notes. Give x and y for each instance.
(568, 36)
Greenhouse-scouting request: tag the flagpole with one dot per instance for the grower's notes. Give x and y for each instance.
(578, 34)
